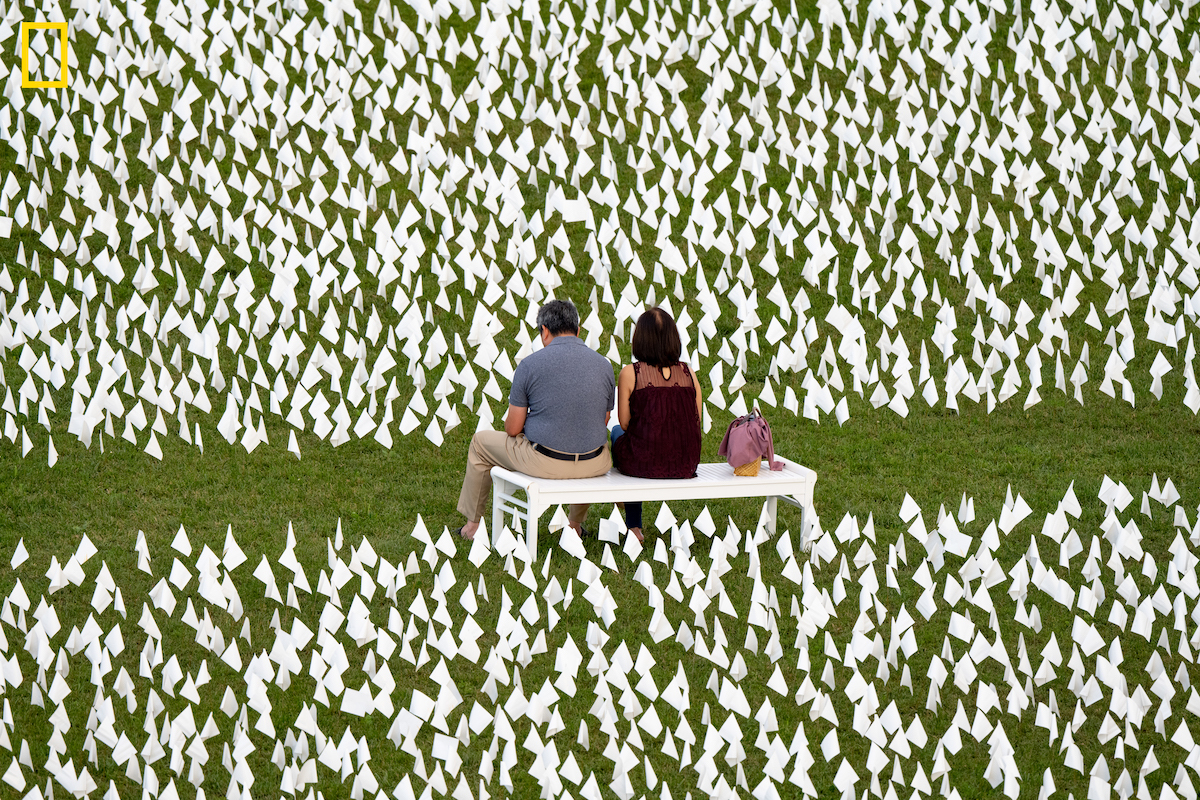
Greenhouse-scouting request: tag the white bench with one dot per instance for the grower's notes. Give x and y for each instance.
(793, 484)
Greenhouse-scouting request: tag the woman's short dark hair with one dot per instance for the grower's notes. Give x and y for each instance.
(558, 316)
(656, 339)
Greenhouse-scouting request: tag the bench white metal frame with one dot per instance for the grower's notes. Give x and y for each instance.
(793, 484)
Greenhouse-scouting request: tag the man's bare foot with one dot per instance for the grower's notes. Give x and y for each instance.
(638, 533)
(468, 531)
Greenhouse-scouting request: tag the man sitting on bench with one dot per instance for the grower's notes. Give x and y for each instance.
(557, 423)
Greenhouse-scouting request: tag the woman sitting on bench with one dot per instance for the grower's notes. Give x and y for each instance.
(658, 408)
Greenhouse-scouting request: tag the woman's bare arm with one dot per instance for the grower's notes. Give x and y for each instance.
(624, 389)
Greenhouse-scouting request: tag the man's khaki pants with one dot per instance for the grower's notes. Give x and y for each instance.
(498, 449)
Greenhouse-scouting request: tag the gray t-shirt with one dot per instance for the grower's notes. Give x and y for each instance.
(568, 388)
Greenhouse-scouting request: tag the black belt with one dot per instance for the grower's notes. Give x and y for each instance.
(546, 451)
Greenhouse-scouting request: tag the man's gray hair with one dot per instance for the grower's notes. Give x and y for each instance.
(559, 316)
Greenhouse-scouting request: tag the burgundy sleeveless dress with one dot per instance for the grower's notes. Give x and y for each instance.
(663, 439)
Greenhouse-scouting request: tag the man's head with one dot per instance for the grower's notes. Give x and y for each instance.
(559, 317)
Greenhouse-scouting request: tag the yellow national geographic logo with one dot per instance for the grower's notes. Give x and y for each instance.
(26, 27)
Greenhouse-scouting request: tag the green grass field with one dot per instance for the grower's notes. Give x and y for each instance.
(232, 203)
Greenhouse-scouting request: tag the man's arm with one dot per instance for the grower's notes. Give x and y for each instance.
(514, 423)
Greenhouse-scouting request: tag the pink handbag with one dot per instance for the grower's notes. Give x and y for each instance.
(747, 442)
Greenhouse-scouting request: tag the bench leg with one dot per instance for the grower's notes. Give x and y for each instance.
(500, 488)
(805, 544)
(797, 500)
(531, 531)
(807, 517)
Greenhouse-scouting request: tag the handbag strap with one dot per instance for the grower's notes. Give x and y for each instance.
(774, 463)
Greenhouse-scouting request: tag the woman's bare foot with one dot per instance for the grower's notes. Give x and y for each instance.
(638, 533)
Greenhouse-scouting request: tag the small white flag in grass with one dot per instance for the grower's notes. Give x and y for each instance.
(1011, 516)
(445, 543)
(966, 509)
(632, 548)
(830, 747)
(1055, 527)
(434, 432)
(1070, 503)
(231, 555)
(180, 575)
(777, 683)
(152, 447)
(1169, 495)
(73, 573)
(162, 596)
(409, 422)
(569, 540)
(14, 777)
(383, 434)
(847, 530)
(956, 542)
(666, 520)
(1115, 494)
(266, 576)
(85, 550)
(558, 520)
(842, 411)
(704, 522)
(102, 596)
(606, 560)
(611, 528)
(20, 554)
(181, 543)
(480, 546)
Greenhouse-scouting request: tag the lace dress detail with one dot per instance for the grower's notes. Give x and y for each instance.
(663, 439)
